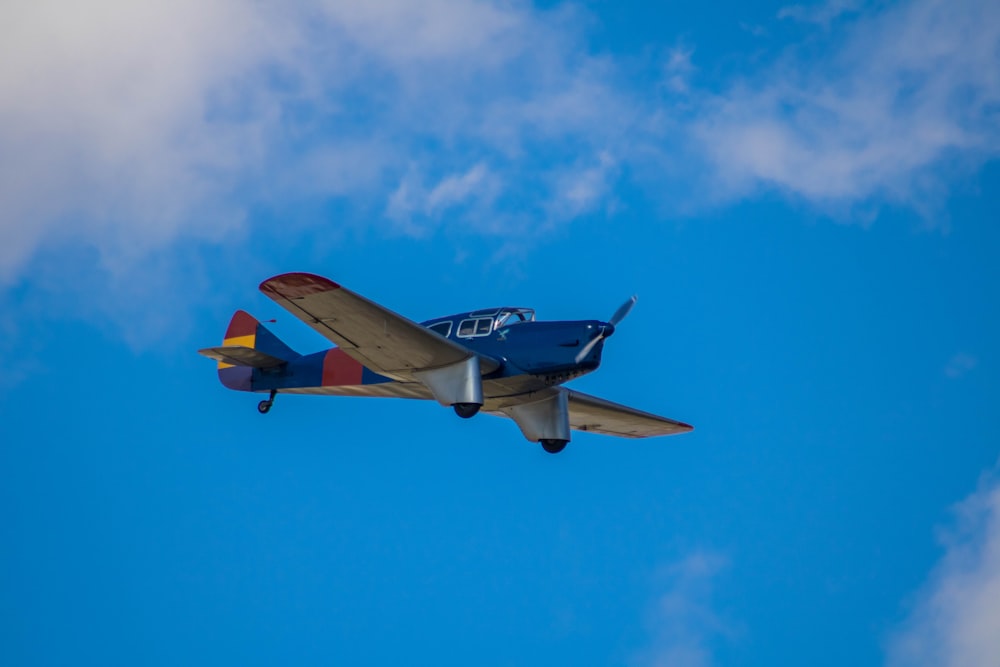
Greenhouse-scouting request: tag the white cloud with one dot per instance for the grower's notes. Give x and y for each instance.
(683, 624)
(126, 126)
(414, 207)
(955, 621)
(894, 97)
(580, 189)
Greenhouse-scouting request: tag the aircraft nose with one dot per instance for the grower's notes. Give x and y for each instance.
(607, 329)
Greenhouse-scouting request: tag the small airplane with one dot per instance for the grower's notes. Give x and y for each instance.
(499, 360)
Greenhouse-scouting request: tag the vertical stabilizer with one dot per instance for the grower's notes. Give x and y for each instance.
(245, 331)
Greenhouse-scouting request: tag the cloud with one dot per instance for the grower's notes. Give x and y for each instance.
(881, 110)
(128, 128)
(579, 189)
(955, 621)
(960, 364)
(682, 624)
(411, 202)
(125, 127)
(822, 13)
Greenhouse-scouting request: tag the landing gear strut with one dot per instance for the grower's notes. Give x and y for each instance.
(466, 410)
(553, 446)
(265, 406)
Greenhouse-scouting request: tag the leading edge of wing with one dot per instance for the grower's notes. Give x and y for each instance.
(590, 413)
(375, 336)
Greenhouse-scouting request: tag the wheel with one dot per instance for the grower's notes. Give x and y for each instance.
(264, 407)
(466, 410)
(553, 446)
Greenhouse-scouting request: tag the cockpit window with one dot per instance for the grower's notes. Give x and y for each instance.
(480, 326)
(509, 317)
(443, 328)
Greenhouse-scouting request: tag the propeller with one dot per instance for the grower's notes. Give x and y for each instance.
(620, 314)
(623, 311)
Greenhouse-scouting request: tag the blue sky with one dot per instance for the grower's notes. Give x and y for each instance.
(803, 197)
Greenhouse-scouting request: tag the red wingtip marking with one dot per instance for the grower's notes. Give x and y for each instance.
(291, 285)
(242, 324)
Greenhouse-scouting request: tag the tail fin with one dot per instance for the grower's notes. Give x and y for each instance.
(246, 331)
(247, 345)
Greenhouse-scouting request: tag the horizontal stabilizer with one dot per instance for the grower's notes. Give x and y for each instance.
(240, 355)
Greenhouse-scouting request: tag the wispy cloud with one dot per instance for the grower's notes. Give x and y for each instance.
(416, 208)
(960, 364)
(822, 13)
(683, 624)
(955, 621)
(876, 111)
(126, 127)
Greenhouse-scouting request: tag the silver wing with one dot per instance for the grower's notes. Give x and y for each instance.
(590, 413)
(595, 415)
(383, 341)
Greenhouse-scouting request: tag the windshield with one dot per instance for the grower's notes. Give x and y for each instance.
(508, 317)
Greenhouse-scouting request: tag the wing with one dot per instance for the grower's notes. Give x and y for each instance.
(378, 338)
(589, 413)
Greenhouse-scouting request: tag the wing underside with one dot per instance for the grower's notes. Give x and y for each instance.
(383, 341)
(597, 415)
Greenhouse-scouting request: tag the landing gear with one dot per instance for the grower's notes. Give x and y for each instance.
(553, 446)
(265, 406)
(466, 410)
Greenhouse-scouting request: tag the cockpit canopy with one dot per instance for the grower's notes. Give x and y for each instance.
(481, 322)
(514, 316)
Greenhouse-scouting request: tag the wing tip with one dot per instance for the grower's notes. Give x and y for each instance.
(297, 284)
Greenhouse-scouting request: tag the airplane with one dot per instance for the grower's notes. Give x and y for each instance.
(501, 361)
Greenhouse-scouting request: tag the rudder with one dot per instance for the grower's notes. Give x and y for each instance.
(246, 331)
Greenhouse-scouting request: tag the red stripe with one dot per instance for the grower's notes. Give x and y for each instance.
(339, 369)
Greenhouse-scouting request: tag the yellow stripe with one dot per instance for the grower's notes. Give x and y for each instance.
(245, 341)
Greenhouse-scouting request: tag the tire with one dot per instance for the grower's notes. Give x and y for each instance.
(264, 407)
(466, 410)
(553, 446)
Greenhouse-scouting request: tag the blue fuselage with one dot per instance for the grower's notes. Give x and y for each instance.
(532, 354)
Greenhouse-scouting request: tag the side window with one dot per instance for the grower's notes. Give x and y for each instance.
(443, 328)
(470, 328)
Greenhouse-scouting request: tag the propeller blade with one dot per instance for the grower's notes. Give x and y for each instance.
(623, 311)
(582, 354)
(620, 314)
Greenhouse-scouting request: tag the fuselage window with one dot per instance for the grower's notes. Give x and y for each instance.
(475, 327)
(443, 328)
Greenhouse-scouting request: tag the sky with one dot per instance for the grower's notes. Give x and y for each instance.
(803, 196)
